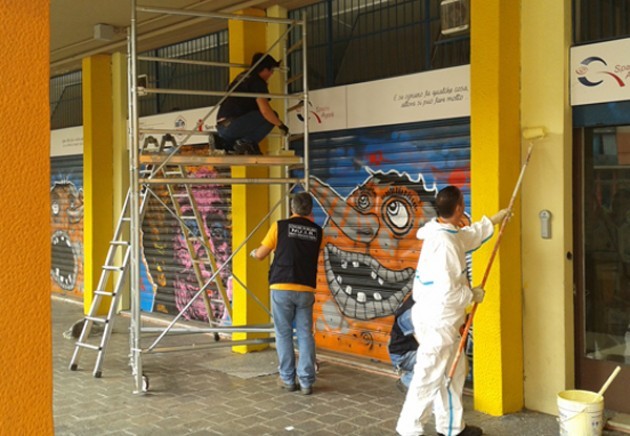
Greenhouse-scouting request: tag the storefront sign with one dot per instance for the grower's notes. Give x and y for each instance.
(600, 72)
(427, 96)
(66, 142)
(186, 121)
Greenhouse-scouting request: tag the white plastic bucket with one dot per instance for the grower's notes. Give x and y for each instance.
(581, 413)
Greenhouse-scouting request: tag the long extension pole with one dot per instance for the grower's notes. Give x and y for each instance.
(462, 341)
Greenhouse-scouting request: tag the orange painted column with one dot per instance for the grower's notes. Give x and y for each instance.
(25, 323)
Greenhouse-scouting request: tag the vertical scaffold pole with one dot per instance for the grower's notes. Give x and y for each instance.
(307, 165)
(136, 357)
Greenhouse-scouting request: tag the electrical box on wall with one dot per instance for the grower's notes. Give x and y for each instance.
(104, 32)
(454, 16)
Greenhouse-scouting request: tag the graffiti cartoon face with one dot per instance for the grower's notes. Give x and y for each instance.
(66, 213)
(370, 249)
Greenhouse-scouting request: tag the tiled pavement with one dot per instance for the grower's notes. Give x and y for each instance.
(211, 392)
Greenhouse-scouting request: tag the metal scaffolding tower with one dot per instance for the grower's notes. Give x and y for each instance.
(166, 167)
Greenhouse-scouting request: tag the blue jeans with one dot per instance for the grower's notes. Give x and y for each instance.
(404, 365)
(251, 127)
(289, 307)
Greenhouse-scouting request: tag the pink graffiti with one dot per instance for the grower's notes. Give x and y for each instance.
(212, 207)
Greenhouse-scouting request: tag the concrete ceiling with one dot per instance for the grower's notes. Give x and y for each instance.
(72, 25)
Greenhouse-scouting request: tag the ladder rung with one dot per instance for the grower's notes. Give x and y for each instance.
(180, 195)
(127, 219)
(188, 217)
(90, 346)
(105, 293)
(173, 173)
(206, 260)
(120, 243)
(112, 268)
(96, 319)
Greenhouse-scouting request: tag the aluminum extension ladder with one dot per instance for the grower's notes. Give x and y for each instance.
(191, 224)
(178, 198)
(108, 270)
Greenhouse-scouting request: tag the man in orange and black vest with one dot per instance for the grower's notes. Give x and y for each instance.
(296, 243)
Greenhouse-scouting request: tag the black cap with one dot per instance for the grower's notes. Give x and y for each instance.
(267, 62)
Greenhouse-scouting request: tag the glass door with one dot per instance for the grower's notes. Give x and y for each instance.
(602, 243)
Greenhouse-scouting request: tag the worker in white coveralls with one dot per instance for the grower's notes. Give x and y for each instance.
(442, 292)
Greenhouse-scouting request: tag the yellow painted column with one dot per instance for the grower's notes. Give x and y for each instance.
(25, 323)
(547, 271)
(495, 165)
(97, 171)
(120, 155)
(250, 203)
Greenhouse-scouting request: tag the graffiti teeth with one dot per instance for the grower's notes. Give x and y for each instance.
(64, 261)
(369, 289)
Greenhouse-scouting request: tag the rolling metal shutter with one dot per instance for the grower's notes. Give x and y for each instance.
(66, 220)
(375, 188)
(167, 277)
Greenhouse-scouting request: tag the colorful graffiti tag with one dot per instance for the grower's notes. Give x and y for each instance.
(375, 188)
(169, 281)
(66, 218)
(370, 254)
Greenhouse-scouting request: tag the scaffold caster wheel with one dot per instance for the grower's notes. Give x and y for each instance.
(74, 367)
(145, 383)
(217, 338)
(98, 374)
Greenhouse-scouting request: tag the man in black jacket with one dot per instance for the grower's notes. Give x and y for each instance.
(293, 278)
(242, 122)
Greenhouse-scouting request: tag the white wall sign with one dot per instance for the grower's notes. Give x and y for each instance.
(184, 120)
(427, 96)
(600, 72)
(66, 142)
(433, 95)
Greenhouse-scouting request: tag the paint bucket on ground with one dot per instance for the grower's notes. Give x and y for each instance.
(580, 413)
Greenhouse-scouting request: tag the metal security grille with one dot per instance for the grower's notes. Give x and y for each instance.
(598, 20)
(213, 48)
(66, 101)
(352, 41)
(168, 279)
(66, 224)
(374, 188)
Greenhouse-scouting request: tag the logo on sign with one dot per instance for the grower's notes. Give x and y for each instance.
(311, 112)
(593, 67)
(180, 122)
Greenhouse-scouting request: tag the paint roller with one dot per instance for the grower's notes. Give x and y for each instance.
(531, 134)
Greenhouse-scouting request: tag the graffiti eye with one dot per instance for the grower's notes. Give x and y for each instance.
(363, 202)
(397, 216)
(55, 208)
